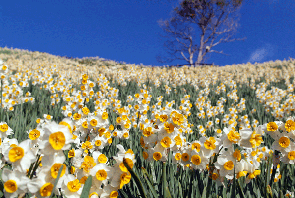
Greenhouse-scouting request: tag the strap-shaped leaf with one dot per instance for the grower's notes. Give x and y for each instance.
(147, 178)
(164, 183)
(86, 188)
(136, 179)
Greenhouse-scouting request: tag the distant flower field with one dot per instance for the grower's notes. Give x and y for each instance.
(97, 128)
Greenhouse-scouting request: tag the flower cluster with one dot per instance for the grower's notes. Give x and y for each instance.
(36, 161)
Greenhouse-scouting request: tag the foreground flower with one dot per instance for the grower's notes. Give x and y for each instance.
(14, 182)
(20, 156)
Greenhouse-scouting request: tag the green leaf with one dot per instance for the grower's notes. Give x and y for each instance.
(86, 188)
(204, 192)
(136, 179)
(240, 190)
(147, 178)
(164, 183)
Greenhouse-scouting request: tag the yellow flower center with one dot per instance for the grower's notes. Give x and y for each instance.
(196, 146)
(177, 156)
(10, 186)
(93, 122)
(16, 153)
(101, 175)
(237, 155)
(46, 190)
(233, 136)
(87, 145)
(145, 155)
(123, 167)
(147, 131)
(196, 159)
(74, 186)
(34, 134)
(85, 125)
(3, 128)
(88, 163)
(169, 127)
(185, 157)
(291, 155)
(55, 168)
(255, 139)
(102, 159)
(214, 176)
(97, 142)
(228, 165)
(210, 143)
(157, 156)
(165, 142)
(105, 115)
(71, 153)
(85, 110)
(114, 194)
(290, 125)
(284, 142)
(57, 140)
(272, 126)
(124, 179)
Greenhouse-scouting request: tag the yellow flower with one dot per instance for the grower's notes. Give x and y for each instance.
(57, 140)
(55, 168)
(16, 153)
(34, 134)
(272, 126)
(284, 142)
(196, 159)
(210, 143)
(290, 125)
(74, 185)
(124, 179)
(71, 153)
(10, 186)
(291, 155)
(169, 127)
(229, 165)
(157, 156)
(46, 190)
(165, 142)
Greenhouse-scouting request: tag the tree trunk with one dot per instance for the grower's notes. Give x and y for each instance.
(200, 50)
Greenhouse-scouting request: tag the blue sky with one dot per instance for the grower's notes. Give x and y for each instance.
(127, 30)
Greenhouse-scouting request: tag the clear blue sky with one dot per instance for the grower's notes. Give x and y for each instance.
(127, 30)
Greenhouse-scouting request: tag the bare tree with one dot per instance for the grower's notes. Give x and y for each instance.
(216, 22)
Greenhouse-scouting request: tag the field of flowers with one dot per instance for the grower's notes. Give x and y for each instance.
(97, 128)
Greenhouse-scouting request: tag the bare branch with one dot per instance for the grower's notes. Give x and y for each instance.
(214, 19)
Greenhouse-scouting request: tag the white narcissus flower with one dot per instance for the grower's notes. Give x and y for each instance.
(14, 183)
(250, 139)
(5, 130)
(226, 163)
(20, 156)
(56, 138)
(71, 187)
(289, 157)
(230, 137)
(6, 144)
(109, 191)
(199, 160)
(99, 158)
(51, 166)
(283, 143)
(101, 173)
(41, 186)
